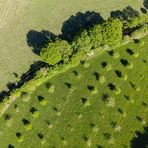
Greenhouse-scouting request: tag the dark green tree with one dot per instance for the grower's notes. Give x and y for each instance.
(82, 41)
(111, 32)
(57, 51)
(95, 34)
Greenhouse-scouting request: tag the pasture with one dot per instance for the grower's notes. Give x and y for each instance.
(17, 17)
(100, 103)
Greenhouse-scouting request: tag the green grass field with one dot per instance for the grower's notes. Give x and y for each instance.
(100, 103)
(17, 17)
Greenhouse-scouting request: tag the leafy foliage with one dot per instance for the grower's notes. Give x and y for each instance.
(108, 33)
(54, 52)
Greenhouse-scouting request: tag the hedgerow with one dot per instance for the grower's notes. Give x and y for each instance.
(61, 55)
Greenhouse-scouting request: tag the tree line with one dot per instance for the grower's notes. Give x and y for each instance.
(109, 33)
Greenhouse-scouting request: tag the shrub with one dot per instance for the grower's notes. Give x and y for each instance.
(94, 91)
(124, 77)
(8, 119)
(28, 127)
(42, 138)
(51, 89)
(109, 67)
(19, 137)
(27, 124)
(117, 91)
(9, 122)
(116, 55)
(85, 102)
(35, 112)
(130, 65)
(43, 102)
(136, 54)
(25, 96)
(102, 79)
(141, 43)
(110, 102)
(137, 88)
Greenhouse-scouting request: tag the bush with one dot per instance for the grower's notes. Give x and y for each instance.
(110, 102)
(116, 55)
(51, 89)
(43, 102)
(102, 80)
(36, 114)
(28, 126)
(19, 137)
(117, 91)
(124, 77)
(130, 65)
(136, 54)
(109, 67)
(141, 43)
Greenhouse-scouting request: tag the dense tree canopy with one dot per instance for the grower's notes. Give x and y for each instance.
(82, 41)
(54, 52)
(108, 33)
(111, 32)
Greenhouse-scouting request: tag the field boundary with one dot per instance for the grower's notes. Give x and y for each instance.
(41, 78)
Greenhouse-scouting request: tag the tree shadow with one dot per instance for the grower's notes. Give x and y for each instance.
(78, 22)
(25, 77)
(38, 39)
(141, 139)
(124, 15)
(143, 10)
(145, 4)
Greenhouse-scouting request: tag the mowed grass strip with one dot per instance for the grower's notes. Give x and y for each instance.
(102, 102)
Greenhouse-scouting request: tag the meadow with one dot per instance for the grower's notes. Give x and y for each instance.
(19, 16)
(100, 103)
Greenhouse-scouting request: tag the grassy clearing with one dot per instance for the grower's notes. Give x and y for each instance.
(15, 55)
(102, 102)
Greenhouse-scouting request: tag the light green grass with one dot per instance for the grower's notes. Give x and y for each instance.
(67, 122)
(15, 55)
